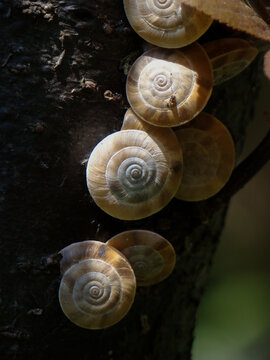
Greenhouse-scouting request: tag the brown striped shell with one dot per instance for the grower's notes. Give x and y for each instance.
(208, 155)
(98, 284)
(131, 175)
(151, 256)
(170, 87)
(166, 23)
(229, 57)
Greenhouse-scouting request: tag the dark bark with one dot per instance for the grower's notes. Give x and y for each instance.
(57, 59)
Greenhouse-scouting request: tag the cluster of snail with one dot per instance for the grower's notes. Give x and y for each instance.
(99, 279)
(167, 147)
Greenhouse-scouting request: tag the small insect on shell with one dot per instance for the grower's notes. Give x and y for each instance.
(170, 87)
(151, 256)
(166, 23)
(208, 155)
(131, 175)
(229, 57)
(98, 284)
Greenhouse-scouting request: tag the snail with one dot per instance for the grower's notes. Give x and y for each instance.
(151, 256)
(165, 137)
(166, 23)
(132, 121)
(170, 87)
(208, 155)
(98, 284)
(130, 175)
(229, 57)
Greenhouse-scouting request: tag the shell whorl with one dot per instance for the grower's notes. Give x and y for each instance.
(170, 87)
(166, 23)
(98, 285)
(208, 156)
(151, 256)
(131, 176)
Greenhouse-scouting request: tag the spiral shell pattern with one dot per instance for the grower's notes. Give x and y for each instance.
(208, 155)
(229, 57)
(131, 176)
(170, 87)
(166, 23)
(98, 285)
(151, 256)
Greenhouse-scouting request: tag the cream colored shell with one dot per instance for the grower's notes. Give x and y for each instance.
(208, 155)
(98, 284)
(151, 256)
(166, 23)
(229, 57)
(170, 87)
(165, 137)
(130, 175)
(132, 121)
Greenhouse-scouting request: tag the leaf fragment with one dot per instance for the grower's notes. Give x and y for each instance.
(234, 13)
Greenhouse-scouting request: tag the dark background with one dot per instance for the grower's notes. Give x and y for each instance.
(234, 316)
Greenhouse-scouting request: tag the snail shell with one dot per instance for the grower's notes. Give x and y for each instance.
(229, 57)
(131, 175)
(98, 284)
(132, 121)
(170, 87)
(165, 137)
(166, 23)
(208, 155)
(151, 256)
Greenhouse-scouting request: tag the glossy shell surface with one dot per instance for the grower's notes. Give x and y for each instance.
(170, 87)
(208, 155)
(132, 121)
(166, 23)
(229, 57)
(165, 137)
(151, 256)
(131, 175)
(98, 284)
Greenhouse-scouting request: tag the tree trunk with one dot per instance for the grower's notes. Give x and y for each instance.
(57, 59)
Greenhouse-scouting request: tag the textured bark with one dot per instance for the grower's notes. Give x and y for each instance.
(57, 59)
